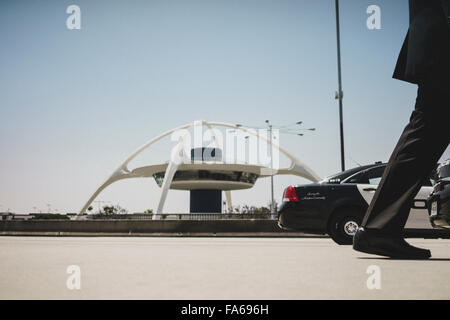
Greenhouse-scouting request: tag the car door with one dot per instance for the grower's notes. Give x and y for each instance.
(418, 217)
(367, 183)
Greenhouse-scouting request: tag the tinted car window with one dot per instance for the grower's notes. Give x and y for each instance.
(337, 178)
(374, 175)
(358, 178)
(369, 176)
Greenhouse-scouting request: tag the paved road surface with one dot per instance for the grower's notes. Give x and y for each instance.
(213, 268)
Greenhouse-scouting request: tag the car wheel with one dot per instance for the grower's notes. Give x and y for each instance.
(343, 225)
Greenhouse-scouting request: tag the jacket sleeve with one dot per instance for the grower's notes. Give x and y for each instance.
(446, 8)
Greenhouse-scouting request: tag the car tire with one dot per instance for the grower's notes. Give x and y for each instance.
(343, 225)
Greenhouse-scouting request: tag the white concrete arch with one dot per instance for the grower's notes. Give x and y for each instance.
(122, 171)
(176, 158)
(297, 167)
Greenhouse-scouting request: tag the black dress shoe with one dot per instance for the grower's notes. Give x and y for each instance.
(375, 242)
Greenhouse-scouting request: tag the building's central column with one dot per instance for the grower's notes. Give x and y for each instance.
(206, 200)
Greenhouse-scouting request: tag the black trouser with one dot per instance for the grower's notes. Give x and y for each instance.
(418, 150)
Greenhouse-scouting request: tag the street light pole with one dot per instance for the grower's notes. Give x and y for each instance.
(340, 93)
(272, 202)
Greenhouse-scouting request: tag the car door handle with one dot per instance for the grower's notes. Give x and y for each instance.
(370, 189)
(419, 204)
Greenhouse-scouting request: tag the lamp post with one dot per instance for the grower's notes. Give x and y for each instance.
(272, 202)
(340, 94)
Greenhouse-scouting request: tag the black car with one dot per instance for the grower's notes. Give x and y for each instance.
(439, 200)
(336, 205)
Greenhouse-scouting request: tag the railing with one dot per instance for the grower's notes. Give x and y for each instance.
(182, 216)
(139, 216)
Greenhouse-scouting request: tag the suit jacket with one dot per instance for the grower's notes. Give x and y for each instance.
(426, 50)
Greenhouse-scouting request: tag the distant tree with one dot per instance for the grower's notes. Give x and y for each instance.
(148, 211)
(90, 208)
(260, 210)
(246, 209)
(110, 210)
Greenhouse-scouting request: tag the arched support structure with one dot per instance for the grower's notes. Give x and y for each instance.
(176, 158)
(122, 171)
(228, 200)
(297, 167)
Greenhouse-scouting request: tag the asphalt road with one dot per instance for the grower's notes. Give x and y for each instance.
(214, 268)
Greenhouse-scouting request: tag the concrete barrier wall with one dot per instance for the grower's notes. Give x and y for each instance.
(170, 228)
(142, 226)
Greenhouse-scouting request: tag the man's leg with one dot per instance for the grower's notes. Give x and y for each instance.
(419, 148)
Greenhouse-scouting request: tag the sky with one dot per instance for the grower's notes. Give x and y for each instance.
(76, 103)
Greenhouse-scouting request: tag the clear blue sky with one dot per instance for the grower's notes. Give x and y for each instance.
(75, 103)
